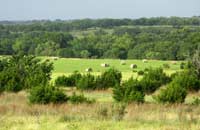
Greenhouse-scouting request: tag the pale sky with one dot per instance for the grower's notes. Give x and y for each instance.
(78, 9)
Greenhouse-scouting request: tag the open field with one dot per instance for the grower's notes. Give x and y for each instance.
(67, 66)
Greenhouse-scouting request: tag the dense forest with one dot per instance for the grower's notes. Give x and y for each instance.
(161, 38)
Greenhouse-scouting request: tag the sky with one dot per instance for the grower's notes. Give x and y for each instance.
(78, 9)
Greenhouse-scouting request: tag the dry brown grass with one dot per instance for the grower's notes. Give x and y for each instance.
(14, 108)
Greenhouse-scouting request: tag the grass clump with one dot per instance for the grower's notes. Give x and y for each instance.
(77, 99)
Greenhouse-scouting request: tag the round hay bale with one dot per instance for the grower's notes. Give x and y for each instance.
(145, 61)
(88, 70)
(123, 63)
(133, 66)
(105, 65)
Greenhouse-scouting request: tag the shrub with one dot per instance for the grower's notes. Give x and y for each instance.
(140, 72)
(154, 79)
(74, 77)
(69, 81)
(129, 91)
(23, 72)
(134, 71)
(188, 80)
(87, 82)
(62, 81)
(196, 101)
(182, 65)
(174, 93)
(146, 69)
(46, 94)
(166, 66)
(108, 79)
(76, 99)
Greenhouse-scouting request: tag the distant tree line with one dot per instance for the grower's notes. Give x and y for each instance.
(162, 38)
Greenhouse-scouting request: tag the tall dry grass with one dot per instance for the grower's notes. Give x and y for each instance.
(15, 109)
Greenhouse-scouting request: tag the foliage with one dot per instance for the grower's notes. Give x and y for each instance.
(174, 93)
(154, 79)
(103, 38)
(129, 91)
(196, 62)
(182, 65)
(188, 80)
(69, 81)
(23, 72)
(87, 82)
(109, 78)
(76, 99)
(166, 66)
(140, 72)
(196, 101)
(46, 94)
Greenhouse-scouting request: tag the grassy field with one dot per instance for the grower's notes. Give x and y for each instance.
(67, 66)
(16, 113)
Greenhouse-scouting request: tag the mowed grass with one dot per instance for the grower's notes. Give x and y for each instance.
(66, 66)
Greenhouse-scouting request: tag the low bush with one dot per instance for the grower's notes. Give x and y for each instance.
(69, 81)
(129, 91)
(166, 66)
(154, 79)
(108, 79)
(174, 93)
(46, 94)
(146, 69)
(187, 79)
(196, 101)
(76, 99)
(62, 81)
(87, 82)
(134, 71)
(140, 72)
(182, 65)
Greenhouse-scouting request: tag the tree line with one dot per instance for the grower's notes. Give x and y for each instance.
(109, 38)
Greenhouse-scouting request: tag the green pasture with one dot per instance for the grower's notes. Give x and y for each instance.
(66, 66)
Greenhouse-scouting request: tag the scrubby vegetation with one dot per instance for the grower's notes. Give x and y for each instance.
(23, 72)
(77, 99)
(154, 79)
(68, 81)
(174, 93)
(108, 79)
(47, 94)
(129, 91)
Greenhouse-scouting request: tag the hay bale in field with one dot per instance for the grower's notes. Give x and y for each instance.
(145, 61)
(133, 66)
(123, 63)
(105, 65)
(54, 58)
(88, 70)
